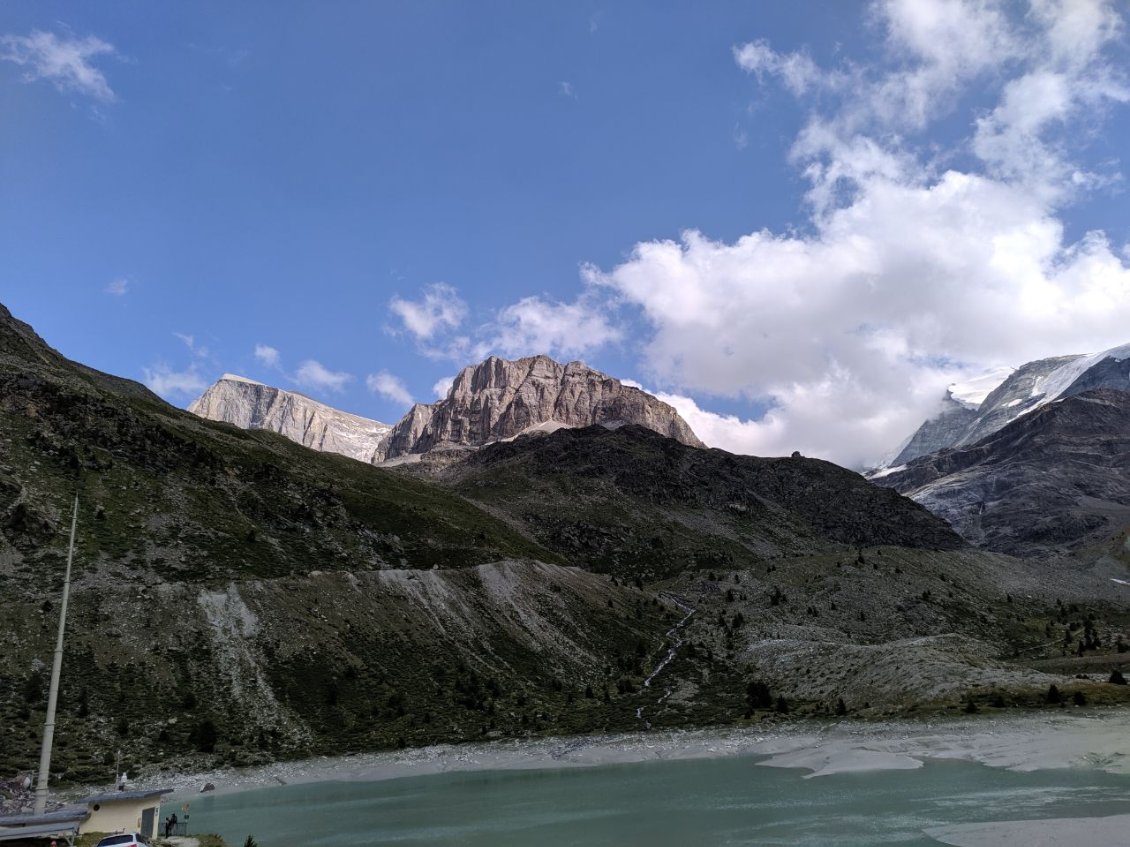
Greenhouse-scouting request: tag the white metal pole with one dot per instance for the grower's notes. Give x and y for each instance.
(56, 669)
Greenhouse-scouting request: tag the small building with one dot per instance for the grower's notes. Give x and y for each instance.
(36, 830)
(125, 811)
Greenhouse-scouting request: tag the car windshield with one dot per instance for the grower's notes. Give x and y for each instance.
(115, 839)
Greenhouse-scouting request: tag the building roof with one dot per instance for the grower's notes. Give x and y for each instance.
(19, 833)
(23, 822)
(138, 794)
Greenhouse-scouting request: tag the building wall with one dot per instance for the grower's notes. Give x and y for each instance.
(121, 816)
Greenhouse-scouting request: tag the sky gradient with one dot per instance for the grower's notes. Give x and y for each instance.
(797, 222)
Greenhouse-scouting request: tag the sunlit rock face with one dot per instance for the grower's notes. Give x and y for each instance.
(493, 401)
(253, 405)
(500, 399)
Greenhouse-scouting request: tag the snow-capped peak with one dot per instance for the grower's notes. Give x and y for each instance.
(971, 392)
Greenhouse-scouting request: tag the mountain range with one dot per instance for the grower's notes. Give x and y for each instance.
(966, 417)
(493, 401)
(239, 597)
(1039, 467)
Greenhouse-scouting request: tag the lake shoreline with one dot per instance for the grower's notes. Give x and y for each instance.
(1024, 741)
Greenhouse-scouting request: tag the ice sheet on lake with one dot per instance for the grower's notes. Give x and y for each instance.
(1078, 832)
(1025, 742)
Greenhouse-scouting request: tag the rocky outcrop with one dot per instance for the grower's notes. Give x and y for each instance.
(253, 405)
(407, 433)
(500, 399)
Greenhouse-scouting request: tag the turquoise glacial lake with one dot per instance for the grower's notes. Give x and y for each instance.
(722, 802)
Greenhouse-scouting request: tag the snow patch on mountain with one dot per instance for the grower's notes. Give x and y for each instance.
(972, 392)
(975, 408)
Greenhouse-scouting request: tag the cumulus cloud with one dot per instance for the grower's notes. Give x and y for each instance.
(441, 308)
(443, 387)
(530, 326)
(390, 387)
(118, 287)
(535, 325)
(315, 376)
(174, 385)
(912, 271)
(65, 62)
(267, 355)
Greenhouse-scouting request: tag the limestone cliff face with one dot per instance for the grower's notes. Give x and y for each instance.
(500, 399)
(403, 437)
(253, 405)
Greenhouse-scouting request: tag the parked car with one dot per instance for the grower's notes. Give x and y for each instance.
(124, 839)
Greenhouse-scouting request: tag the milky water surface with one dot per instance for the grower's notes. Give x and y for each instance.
(707, 802)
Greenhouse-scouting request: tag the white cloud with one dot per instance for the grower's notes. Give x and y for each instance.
(533, 325)
(65, 62)
(199, 351)
(1076, 30)
(912, 272)
(267, 355)
(118, 287)
(443, 386)
(315, 376)
(567, 90)
(530, 326)
(170, 384)
(441, 308)
(390, 387)
(796, 70)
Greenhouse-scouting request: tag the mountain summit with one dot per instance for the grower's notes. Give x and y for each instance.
(493, 401)
(961, 422)
(252, 405)
(501, 399)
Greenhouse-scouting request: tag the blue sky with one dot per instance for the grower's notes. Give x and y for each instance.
(798, 222)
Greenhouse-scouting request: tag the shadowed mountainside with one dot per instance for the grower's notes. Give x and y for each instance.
(1053, 480)
(631, 502)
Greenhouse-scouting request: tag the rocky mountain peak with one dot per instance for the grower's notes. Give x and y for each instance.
(499, 399)
(1053, 479)
(1018, 392)
(249, 404)
(495, 400)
